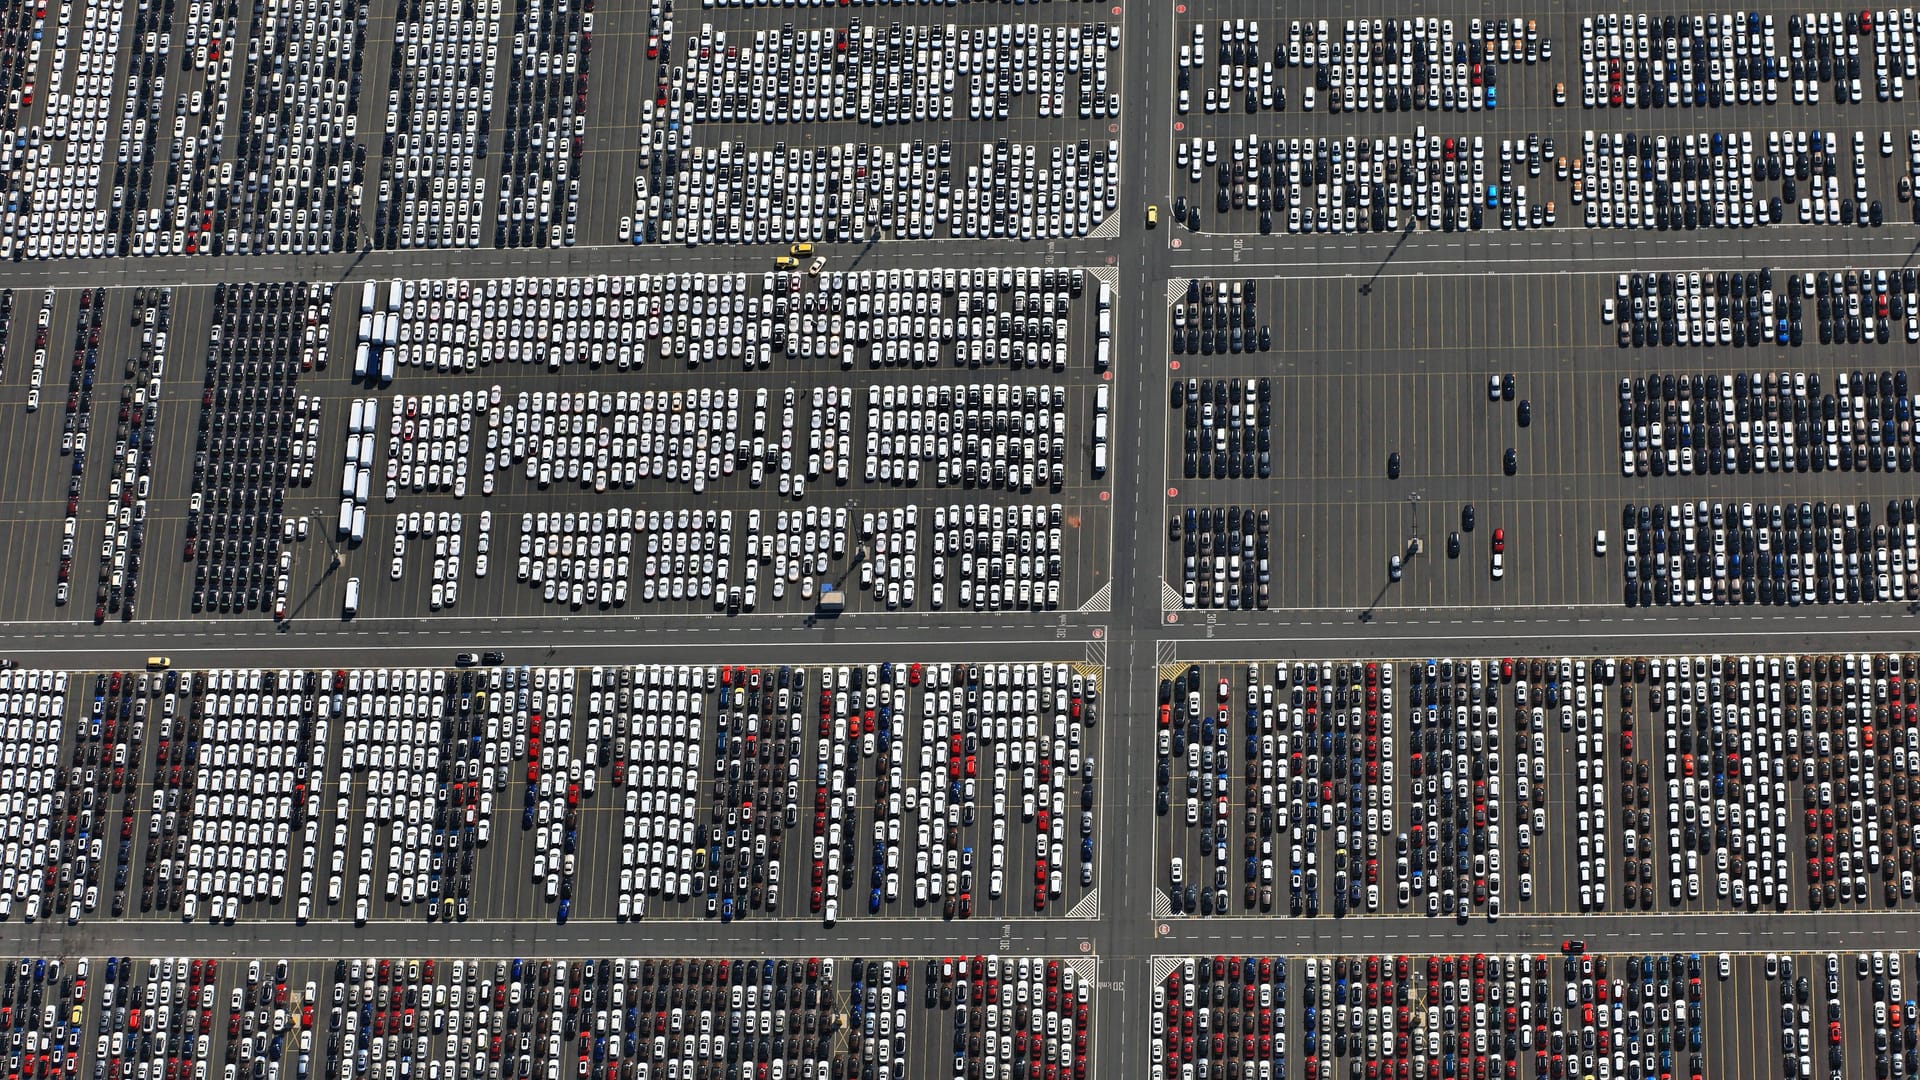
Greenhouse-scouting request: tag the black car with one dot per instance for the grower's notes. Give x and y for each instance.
(1393, 465)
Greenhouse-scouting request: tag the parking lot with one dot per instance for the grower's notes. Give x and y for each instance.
(1654, 784)
(230, 133)
(934, 791)
(1300, 125)
(1470, 1015)
(477, 127)
(307, 129)
(800, 1016)
(1567, 1012)
(969, 454)
(264, 246)
(1745, 310)
(977, 122)
(963, 470)
(1366, 451)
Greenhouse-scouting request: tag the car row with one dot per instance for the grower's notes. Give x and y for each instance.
(1044, 1035)
(987, 436)
(137, 218)
(693, 437)
(795, 549)
(104, 775)
(545, 138)
(1745, 310)
(1031, 723)
(1896, 53)
(1724, 827)
(1229, 427)
(219, 825)
(1454, 838)
(1728, 58)
(375, 793)
(443, 538)
(37, 377)
(1377, 65)
(432, 791)
(1639, 60)
(35, 843)
(1702, 552)
(202, 204)
(265, 1016)
(1851, 307)
(1305, 791)
(244, 460)
(1824, 48)
(1379, 184)
(192, 201)
(1720, 180)
(433, 190)
(242, 796)
(654, 719)
(123, 548)
(976, 436)
(6, 324)
(40, 1001)
(978, 557)
(1219, 317)
(301, 169)
(1796, 1015)
(847, 192)
(590, 559)
(1849, 836)
(76, 424)
(864, 717)
(1890, 1014)
(1225, 554)
(356, 474)
(805, 1017)
(431, 442)
(1776, 421)
(1468, 1015)
(22, 42)
(974, 318)
(1620, 785)
(884, 75)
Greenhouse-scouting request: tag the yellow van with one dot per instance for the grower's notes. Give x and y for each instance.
(786, 262)
(800, 250)
(159, 663)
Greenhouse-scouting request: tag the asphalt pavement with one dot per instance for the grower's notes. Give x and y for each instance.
(1132, 632)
